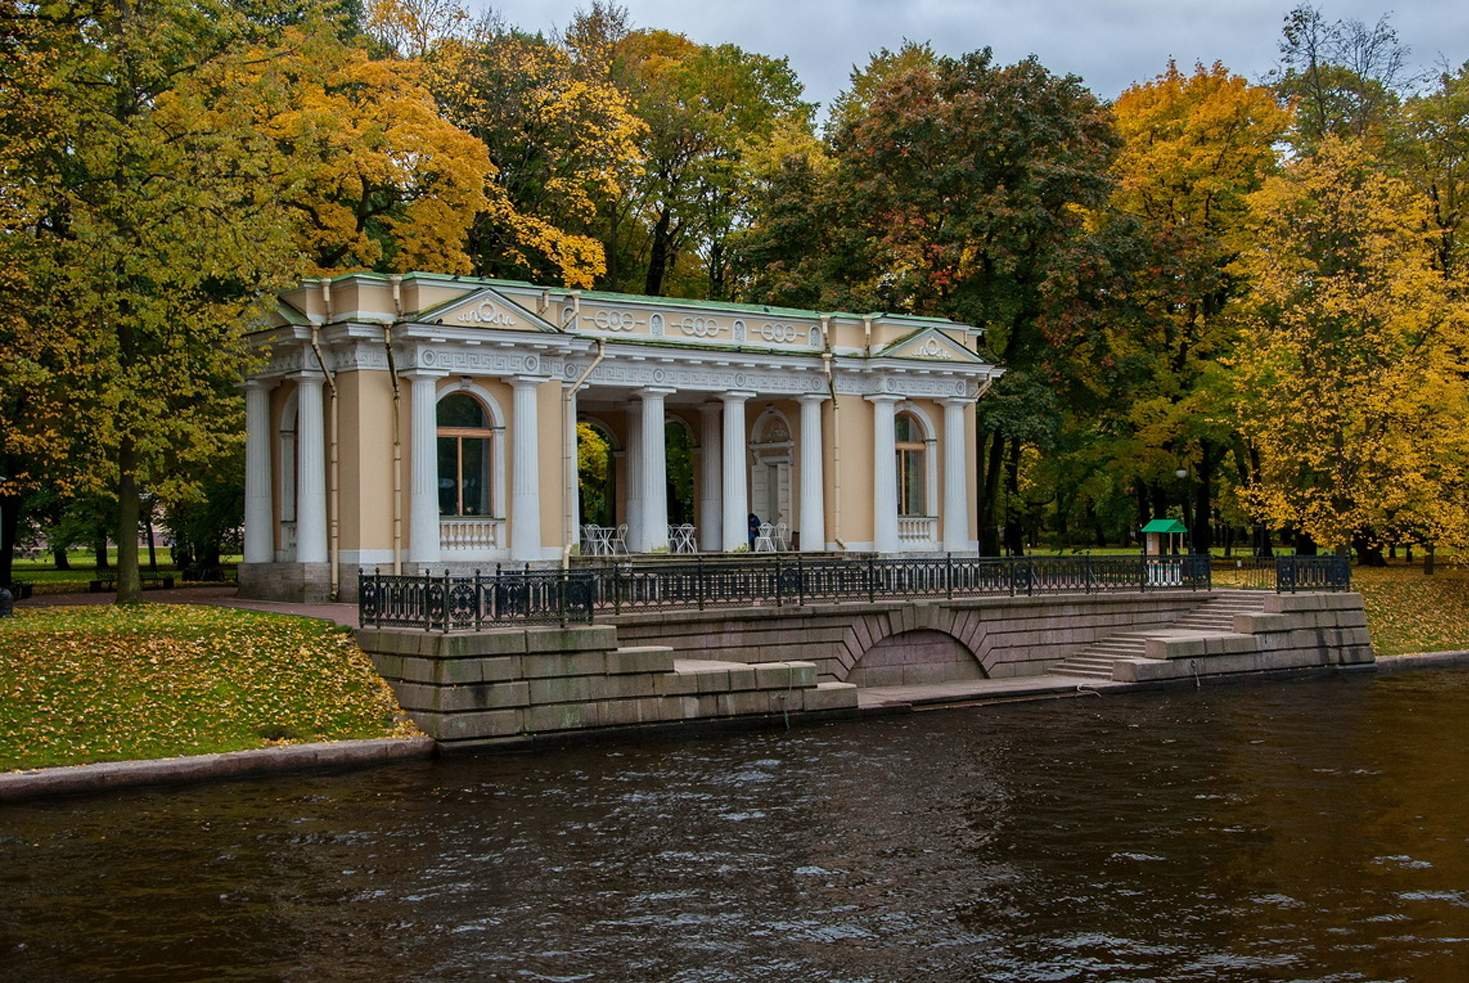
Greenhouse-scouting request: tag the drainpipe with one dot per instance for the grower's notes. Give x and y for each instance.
(575, 311)
(397, 429)
(836, 436)
(867, 335)
(568, 453)
(334, 498)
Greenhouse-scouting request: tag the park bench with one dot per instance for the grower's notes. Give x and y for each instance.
(151, 581)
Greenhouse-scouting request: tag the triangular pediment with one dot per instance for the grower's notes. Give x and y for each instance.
(929, 344)
(484, 307)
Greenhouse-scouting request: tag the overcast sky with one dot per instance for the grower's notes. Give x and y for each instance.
(1109, 43)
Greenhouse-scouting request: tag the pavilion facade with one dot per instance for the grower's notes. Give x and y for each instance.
(427, 422)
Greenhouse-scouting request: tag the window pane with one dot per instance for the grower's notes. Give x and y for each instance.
(905, 429)
(448, 475)
(460, 410)
(911, 494)
(476, 476)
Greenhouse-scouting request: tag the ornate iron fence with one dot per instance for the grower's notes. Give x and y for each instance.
(526, 596)
(1285, 574)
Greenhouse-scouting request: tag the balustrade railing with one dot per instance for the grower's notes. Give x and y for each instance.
(446, 602)
(470, 533)
(918, 528)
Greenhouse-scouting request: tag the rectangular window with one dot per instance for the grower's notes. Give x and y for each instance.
(448, 475)
(476, 471)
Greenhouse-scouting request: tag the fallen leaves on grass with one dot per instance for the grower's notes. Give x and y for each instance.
(1408, 611)
(102, 683)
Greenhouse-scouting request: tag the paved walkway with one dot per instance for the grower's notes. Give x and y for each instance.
(224, 596)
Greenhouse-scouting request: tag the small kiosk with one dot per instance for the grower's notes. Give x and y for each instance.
(1163, 541)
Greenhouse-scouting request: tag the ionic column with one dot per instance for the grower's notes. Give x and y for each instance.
(525, 471)
(573, 481)
(654, 478)
(955, 516)
(736, 473)
(813, 509)
(259, 536)
(884, 474)
(310, 471)
(423, 461)
(632, 474)
(711, 522)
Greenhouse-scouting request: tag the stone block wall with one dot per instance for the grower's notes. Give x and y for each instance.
(1006, 636)
(309, 582)
(1294, 631)
(514, 686)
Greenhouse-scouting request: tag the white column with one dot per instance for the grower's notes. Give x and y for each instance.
(311, 471)
(423, 486)
(711, 521)
(955, 516)
(525, 471)
(654, 479)
(813, 509)
(259, 534)
(632, 473)
(573, 482)
(736, 473)
(884, 474)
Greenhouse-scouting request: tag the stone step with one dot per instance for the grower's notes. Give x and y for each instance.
(1064, 670)
(1087, 662)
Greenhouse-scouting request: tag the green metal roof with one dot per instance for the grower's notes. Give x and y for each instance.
(1165, 525)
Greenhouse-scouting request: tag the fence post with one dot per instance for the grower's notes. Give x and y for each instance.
(1029, 577)
(1088, 588)
(1010, 573)
(699, 586)
(800, 582)
(616, 589)
(561, 596)
(447, 588)
(479, 606)
(871, 579)
(777, 580)
(949, 575)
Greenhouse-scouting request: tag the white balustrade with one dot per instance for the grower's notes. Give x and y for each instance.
(461, 533)
(918, 528)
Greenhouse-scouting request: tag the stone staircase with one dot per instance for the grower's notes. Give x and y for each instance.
(1214, 617)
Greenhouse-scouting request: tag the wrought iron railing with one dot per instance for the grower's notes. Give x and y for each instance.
(526, 596)
(1285, 574)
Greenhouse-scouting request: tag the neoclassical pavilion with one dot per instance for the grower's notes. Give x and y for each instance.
(424, 422)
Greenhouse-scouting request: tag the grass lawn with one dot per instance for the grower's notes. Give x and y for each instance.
(42, 573)
(102, 683)
(1409, 612)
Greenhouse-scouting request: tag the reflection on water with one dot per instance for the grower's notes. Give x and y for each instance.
(1308, 830)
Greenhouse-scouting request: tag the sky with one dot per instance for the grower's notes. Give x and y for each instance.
(1109, 43)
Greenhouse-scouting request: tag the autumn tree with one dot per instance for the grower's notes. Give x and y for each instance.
(564, 148)
(158, 229)
(1194, 146)
(1350, 368)
(963, 185)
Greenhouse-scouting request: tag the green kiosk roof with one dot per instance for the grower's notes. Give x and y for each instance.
(1165, 525)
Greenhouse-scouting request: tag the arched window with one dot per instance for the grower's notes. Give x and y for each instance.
(464, 456)
(912, 468)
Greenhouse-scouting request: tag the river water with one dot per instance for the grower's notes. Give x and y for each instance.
(1315, 829)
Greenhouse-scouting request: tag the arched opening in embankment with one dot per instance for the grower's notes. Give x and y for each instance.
(917, 657)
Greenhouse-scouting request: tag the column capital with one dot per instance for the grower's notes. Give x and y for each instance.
(960, 401)
(884, 398)
(659, 391)
(527, 381)
(738, 396)
(813, 397)
(416, 374)
(708, 409)
(307, 377)
(260, 384)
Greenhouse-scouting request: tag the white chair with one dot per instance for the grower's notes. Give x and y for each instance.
(765, 538)
(617, 541)
(589, 543)
(682, 538)
(782, 536)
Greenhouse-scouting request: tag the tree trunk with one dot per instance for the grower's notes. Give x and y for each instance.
(989, 499)
(1305, 545)
(9, 525)
(658, 255)
(59, 559)
(717, 266)
(1428, 560)
(99, 549)
(129, 580)
(152, 546)
(1202, 534)
(1014, 532)
(1369, 552)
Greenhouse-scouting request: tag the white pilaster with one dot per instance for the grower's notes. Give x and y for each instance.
(632, 474)
(423, 487)
(525, 471)
(955, 516)
(259, 536)
(736, 473)
(884, 474)
(711, 521)
(654, 480)
(813, 510)
(311, 471)
(573, 482)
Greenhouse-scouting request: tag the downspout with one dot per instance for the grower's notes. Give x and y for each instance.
(867, 335)
(397, 429)
(568, 453)
(836, 436)
(334, 498)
